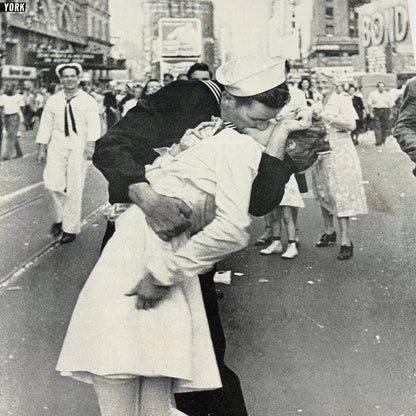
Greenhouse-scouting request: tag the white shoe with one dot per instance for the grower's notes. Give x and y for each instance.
(291, 251)
(274, 248)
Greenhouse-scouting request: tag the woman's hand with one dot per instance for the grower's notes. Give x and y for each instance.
(148, 294)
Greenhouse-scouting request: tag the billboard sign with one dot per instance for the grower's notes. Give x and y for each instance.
(180, 37)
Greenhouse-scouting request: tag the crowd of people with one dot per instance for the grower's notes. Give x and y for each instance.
(336, 179)
(186, 164)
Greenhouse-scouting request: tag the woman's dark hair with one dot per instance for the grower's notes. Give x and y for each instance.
(308, 92)
(275, 98)
(304, 79)
(144, 92)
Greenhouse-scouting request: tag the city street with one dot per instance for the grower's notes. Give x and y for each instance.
(312, 336)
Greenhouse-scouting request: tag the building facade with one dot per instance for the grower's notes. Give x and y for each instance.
(334, 34)
(57, 31)
(385, 37)
(284, 32)
(155, 10)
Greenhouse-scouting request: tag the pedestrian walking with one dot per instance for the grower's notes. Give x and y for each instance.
(28, 108)
(379, 103)
(336, 177)
(11, 107)
(39, 104)
(283, 214)
(359, 108)
(111, 108)
(68, 129)
(137, 91)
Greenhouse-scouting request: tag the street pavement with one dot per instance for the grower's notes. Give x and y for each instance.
(311, 336)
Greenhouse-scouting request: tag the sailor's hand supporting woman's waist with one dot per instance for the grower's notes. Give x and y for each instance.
(166, 216)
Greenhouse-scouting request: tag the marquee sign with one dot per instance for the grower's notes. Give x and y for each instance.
(55, 57)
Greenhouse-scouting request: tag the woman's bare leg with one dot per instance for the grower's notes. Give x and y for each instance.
(328, 220)
(344, 226)
(290, 223)
(156, 398)
(117, 397)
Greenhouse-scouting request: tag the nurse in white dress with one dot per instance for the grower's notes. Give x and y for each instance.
(167, 348)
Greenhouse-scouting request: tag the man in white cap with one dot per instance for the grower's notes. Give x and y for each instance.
(68, 130)
(255, 91)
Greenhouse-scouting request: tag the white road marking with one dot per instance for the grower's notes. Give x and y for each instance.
(12, 195)
(11, 277)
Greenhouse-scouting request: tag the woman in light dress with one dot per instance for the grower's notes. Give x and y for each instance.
(337, 177)
(136, 359)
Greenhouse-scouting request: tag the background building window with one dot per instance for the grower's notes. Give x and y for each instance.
(12, 53)
(106, 32)
(92, 32)
(329, 12)
(65, 20)
(329, 30)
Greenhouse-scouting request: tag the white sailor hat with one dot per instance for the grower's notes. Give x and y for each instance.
(251, 75)
(73, 65)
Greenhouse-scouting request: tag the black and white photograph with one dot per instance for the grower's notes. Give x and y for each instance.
(208, 208)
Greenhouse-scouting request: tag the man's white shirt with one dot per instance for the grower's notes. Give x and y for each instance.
(52, 123)
(11, 103)
(378, 99)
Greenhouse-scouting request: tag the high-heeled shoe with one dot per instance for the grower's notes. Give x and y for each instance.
(327, 239)
(346, 252)
(291, 251)
(274, 248)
